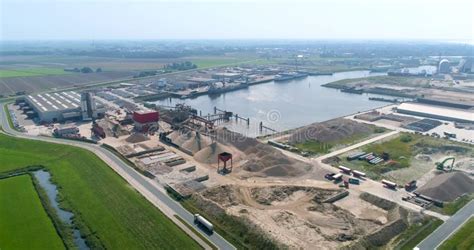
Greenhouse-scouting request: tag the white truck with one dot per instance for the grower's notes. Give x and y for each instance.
(198, 219)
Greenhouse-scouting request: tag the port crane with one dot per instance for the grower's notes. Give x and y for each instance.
(443, 167)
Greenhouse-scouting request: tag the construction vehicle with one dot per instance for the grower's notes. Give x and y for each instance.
(337, 178)
(410, 185)
(329, 176)
(344, 184)
(441, 165)
(354, 181)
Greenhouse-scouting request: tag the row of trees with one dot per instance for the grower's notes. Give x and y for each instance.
(85, 70)
(180, 66)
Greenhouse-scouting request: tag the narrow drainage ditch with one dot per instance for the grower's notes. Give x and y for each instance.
(44, 179)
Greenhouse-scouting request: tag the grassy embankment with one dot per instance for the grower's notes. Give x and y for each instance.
(6, 73)
(238, 232)
(450, 208)
(402, 150)
(415, 233)
(108, 211)
(317, 147)
(24, 222)
(462, 239)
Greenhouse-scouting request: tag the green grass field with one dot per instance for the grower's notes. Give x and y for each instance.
(24, 224)
(402, 150)
(317, 147)
(5, 73)
(207, 62)
(415, 233)
(115, 215)
(462, 239)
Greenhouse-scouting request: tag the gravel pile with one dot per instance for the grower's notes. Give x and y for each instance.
(329, 131)
(137, 137)
(448, 186)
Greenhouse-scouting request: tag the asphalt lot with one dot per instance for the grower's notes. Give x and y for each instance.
(170, 204)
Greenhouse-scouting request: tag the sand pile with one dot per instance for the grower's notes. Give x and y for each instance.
(196, 143)
(209, 154)
(271, 162)
(190, 140)
(237, 140)
(448, 186)
(329, 131)
(137, 137)
(261, 158)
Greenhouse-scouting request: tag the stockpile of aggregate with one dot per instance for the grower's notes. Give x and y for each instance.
(329, 131)
(137, 137)
(448, 186)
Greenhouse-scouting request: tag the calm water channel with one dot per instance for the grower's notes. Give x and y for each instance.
(285, 105)
(44, 180)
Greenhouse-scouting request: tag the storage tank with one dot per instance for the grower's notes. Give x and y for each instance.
(198, 219)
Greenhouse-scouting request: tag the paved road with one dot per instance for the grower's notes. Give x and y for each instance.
(443, 232)
(138, 181)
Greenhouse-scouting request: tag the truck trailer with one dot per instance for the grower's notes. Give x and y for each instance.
(358, 174)
(198, 219)
(345, 170)
(389, 184)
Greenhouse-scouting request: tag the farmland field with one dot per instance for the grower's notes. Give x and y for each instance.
(40, 83)
(7, 73)
(24, 222)
(206, 62)
(109, 211)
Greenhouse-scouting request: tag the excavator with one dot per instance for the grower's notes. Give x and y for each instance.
(448, 168)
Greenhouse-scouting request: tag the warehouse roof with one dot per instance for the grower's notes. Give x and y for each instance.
(438, 111)
(56, 101)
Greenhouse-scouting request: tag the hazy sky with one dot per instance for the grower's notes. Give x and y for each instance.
(241, 19)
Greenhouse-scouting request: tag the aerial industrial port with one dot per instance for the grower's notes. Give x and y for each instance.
(361, 180)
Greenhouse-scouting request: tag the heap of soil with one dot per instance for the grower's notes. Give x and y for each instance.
(190, 140)
(262, 159)
(209, 154)
(137, 137)
(448, 186)
(329, 131)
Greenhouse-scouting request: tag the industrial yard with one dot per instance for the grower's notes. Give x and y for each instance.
(274, 186)
(358, 181)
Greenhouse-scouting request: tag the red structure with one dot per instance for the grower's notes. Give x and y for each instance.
(146, 116)
(224, 157)
(145, 120)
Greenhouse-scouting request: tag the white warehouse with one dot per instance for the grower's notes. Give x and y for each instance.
(60, 106)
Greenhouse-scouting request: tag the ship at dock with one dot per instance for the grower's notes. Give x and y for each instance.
(289, 76)
(222, 87)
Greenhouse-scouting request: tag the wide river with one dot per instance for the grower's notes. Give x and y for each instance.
(285, 105)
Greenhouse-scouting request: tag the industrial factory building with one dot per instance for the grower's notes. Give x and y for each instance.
(145, 120)
(68, 105)
(437, 112)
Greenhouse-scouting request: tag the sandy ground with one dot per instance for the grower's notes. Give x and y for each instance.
(294, 216)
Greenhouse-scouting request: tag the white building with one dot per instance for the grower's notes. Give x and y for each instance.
(59, 106)
(443, 67)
